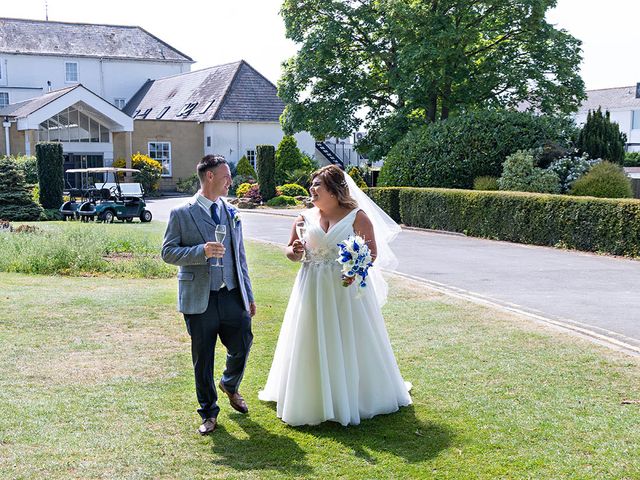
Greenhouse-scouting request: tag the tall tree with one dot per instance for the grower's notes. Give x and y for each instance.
(602, 138)
(407, 63)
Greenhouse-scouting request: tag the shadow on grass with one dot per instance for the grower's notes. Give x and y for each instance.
(400, 434)
(261, 450)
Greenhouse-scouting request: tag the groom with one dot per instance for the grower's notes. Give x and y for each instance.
(215, 301)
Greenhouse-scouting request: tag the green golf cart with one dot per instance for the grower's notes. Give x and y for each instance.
(106, 201)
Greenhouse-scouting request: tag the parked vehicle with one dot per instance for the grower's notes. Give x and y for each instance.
(106, 201)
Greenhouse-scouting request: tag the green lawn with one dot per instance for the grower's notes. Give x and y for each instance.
(96, 382)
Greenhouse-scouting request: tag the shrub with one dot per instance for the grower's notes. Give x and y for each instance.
(254, 194)
(266, 170)
(570, 168)
(288, 158)
(291, 190)
(237, 181)
(242, 189)
(29, 166)
(485, 183)
(282, 201)
(632, 159)
(601, 138)
(150, 171)
(520, 174)
(605, 180)
(451, 153)
(356, 174)
(245, 169)
(15, 196)
(189, 185)
(591, 224)
(50, 173)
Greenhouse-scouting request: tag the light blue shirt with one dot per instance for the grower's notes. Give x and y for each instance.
(205, 203)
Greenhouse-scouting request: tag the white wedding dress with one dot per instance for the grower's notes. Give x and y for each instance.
(333, 360)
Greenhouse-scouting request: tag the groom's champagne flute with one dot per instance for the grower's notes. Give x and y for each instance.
(221, 232)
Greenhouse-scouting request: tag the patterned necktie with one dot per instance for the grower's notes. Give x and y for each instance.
(214, 213)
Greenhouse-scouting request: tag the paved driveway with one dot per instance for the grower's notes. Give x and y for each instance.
(591, 294)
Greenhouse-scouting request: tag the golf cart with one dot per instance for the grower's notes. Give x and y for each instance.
(106, 201)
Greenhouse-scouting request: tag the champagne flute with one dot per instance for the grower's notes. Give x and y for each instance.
(221, 232)
(301, 230)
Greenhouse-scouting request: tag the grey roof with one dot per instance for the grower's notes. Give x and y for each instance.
(233, 92)
(27, 107)
(37, 37)
(611, 99)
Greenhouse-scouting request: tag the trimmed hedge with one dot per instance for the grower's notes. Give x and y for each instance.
(582, 223)
(50, 173)
(266, 162)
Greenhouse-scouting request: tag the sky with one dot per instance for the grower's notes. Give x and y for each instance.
(213, 32)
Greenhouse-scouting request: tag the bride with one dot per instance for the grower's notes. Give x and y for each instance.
(333, 360)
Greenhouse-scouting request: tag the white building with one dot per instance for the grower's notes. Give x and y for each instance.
(623, 105)
(63, 81)
(111, 61)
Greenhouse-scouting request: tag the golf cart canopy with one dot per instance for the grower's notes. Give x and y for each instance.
(103, 170)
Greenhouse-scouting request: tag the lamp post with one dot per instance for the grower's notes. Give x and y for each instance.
(6, 124)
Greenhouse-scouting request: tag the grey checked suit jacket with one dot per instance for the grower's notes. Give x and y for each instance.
(188, 229)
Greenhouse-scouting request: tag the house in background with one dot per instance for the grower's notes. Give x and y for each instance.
(623, 104)
(227, 109)
(110, 60)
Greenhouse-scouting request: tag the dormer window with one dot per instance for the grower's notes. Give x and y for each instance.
(71, 72)
(187, 109)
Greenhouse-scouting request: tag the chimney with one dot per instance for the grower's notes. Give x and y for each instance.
(638, 90)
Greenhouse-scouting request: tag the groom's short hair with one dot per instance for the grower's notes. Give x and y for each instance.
(209, 162)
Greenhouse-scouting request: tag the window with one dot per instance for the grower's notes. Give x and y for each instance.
(206, 107)
(162, 112)
(70, 72)
(251, 156)
(161, 151)
(208, 141)
(4, 99)
(187, 109)
(635, 119)
(119, 103)
(71, 125)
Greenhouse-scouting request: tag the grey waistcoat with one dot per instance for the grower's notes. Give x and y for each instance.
(227, 273)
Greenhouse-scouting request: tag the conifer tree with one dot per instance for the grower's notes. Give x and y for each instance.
(601, 138)
(16, 203)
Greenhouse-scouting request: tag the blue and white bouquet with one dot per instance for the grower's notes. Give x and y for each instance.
(355, 257)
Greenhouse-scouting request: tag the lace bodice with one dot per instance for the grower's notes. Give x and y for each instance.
(321, 246)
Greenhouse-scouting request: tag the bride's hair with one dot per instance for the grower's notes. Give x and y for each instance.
(333, 179)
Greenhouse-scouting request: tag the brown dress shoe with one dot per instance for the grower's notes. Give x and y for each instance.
(235, 399)
(208, 426)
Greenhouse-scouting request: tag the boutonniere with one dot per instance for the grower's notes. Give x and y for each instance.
(235, 218)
